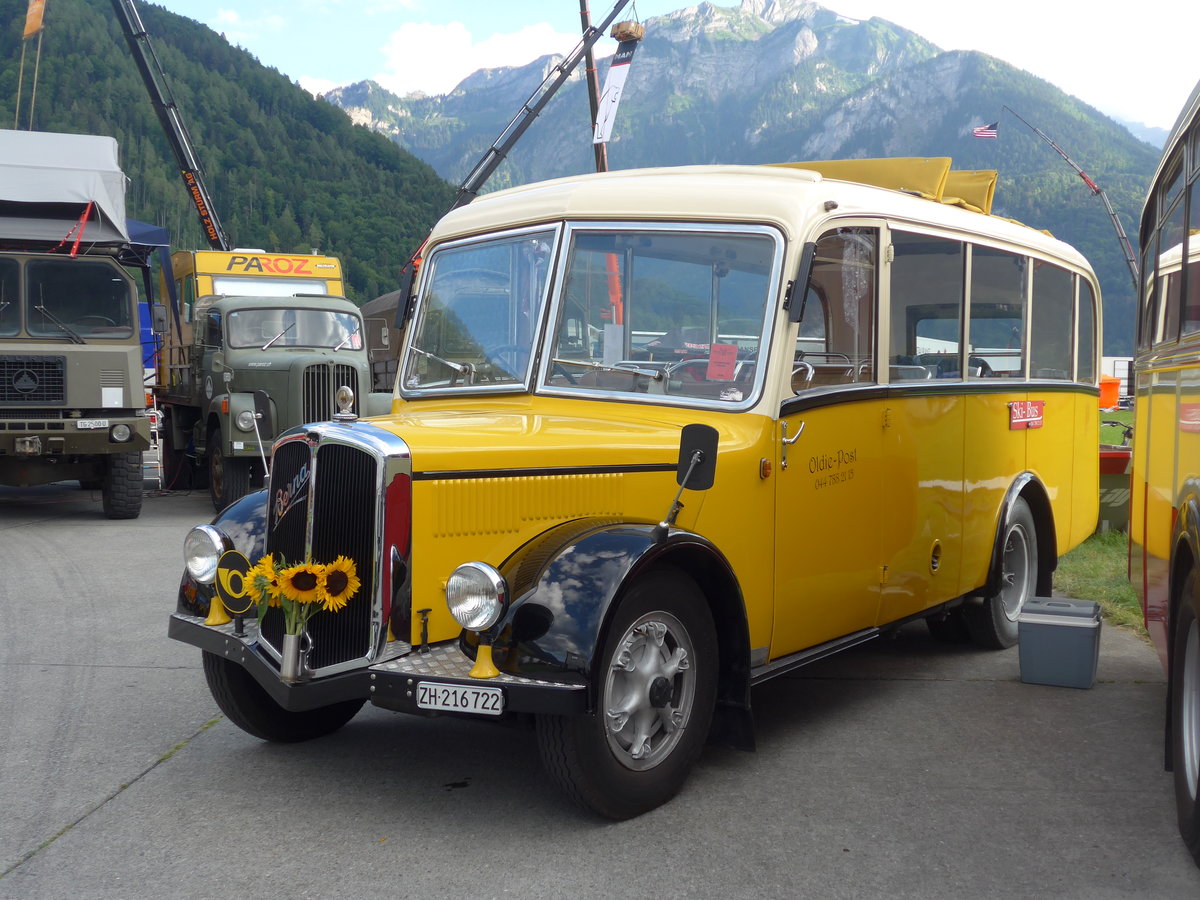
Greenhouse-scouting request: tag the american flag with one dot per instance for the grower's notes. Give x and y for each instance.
(985, 131)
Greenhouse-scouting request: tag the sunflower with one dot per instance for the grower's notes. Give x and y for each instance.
(301, 584)
(339, 584)
(264, 581)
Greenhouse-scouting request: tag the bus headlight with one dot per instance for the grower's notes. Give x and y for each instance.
(245, 420)
(476, 595)
(202, 548)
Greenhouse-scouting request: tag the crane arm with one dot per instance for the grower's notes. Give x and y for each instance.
(172, 122)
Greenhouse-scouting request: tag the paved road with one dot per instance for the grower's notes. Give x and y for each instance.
(903, 769)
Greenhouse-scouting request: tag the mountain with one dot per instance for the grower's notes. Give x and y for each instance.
(286, 172)
(785, 80)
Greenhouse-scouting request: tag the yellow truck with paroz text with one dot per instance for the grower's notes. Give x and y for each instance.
(252, 344)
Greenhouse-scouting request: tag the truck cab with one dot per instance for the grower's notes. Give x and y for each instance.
(293, 352)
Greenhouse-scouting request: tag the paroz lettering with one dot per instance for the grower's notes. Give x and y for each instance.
(275, 265)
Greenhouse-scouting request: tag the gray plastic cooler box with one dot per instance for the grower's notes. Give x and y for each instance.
(1059, 641)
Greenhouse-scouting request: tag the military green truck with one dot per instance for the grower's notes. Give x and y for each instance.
(238, 369)
(72, 399)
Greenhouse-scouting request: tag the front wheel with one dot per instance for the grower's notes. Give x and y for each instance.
(993, 623)
(251, 709)
(121, 490)
(1185, 714)
(228, 476)
(656, 687)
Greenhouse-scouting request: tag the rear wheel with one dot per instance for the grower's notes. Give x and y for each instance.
(656, 687)
(993, 624)
(1185, 714)
(251, 708)
(121, 491)
(228, 476)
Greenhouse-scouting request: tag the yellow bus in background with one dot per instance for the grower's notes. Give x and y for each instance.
(1164, 521)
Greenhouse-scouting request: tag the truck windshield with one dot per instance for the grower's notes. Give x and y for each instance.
(479, 313)
(284, 327)
(10, 305)
(76, 299)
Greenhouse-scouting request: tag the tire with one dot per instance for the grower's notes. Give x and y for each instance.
(251, 709)
(1185, 714)
(121, 492)
(228, 476)
(949, 627)
(993, 623)
(659, 663)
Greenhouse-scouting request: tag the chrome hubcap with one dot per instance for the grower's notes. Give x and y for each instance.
(1016, 572)
(649, 691)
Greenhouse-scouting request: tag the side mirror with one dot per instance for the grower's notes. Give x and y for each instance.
(697, 468)
(262, 409)
(158, 318)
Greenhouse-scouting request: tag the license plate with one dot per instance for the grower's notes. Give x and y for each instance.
(483, 701)
(86, 424)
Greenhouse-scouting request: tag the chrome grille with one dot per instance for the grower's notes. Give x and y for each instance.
(321, 382)
(33, 379)
(338, 495)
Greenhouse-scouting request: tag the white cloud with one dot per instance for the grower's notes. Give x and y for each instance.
(317, 86)
(435, 58)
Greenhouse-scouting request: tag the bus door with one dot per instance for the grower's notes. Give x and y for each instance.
(923, 430)
(827, 530)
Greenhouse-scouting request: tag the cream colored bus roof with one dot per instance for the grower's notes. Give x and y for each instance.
(787, 196)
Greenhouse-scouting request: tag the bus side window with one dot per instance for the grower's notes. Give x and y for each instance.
(999, 303)
(1053, 303)
(1191, 307)
(841, 294)
(1085, 341)
(926, 308)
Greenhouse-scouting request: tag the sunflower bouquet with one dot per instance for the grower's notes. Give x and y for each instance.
(303, 589)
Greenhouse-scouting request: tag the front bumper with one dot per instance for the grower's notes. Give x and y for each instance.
(390, 683)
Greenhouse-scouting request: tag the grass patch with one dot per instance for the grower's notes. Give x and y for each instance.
(1098, 570)
(1112, 434)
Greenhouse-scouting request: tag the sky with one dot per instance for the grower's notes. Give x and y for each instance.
(1127, 60)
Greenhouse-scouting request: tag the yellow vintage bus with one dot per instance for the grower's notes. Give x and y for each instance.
(659, 436)
(1164, 521)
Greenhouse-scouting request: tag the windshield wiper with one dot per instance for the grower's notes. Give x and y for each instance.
(278, 336)
(344, 341)
(655, 374)
(466, 370)
(71, 333)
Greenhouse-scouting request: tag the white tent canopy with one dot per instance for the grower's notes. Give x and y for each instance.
(68, 170)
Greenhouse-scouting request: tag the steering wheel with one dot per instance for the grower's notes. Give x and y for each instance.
(96, 320)
(517, 353)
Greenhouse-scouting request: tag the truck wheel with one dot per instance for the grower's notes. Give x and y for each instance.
(993, 624)
(228, 476)
(656, 687)
(251, 709)
(1185, 714)
(121, 492)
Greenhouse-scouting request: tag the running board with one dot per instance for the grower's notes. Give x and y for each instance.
(786, 664)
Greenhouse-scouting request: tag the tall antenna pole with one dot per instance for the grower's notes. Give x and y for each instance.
(593, 83)
(1130, 259)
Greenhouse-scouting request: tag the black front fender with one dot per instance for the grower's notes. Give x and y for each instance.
(567, 582)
